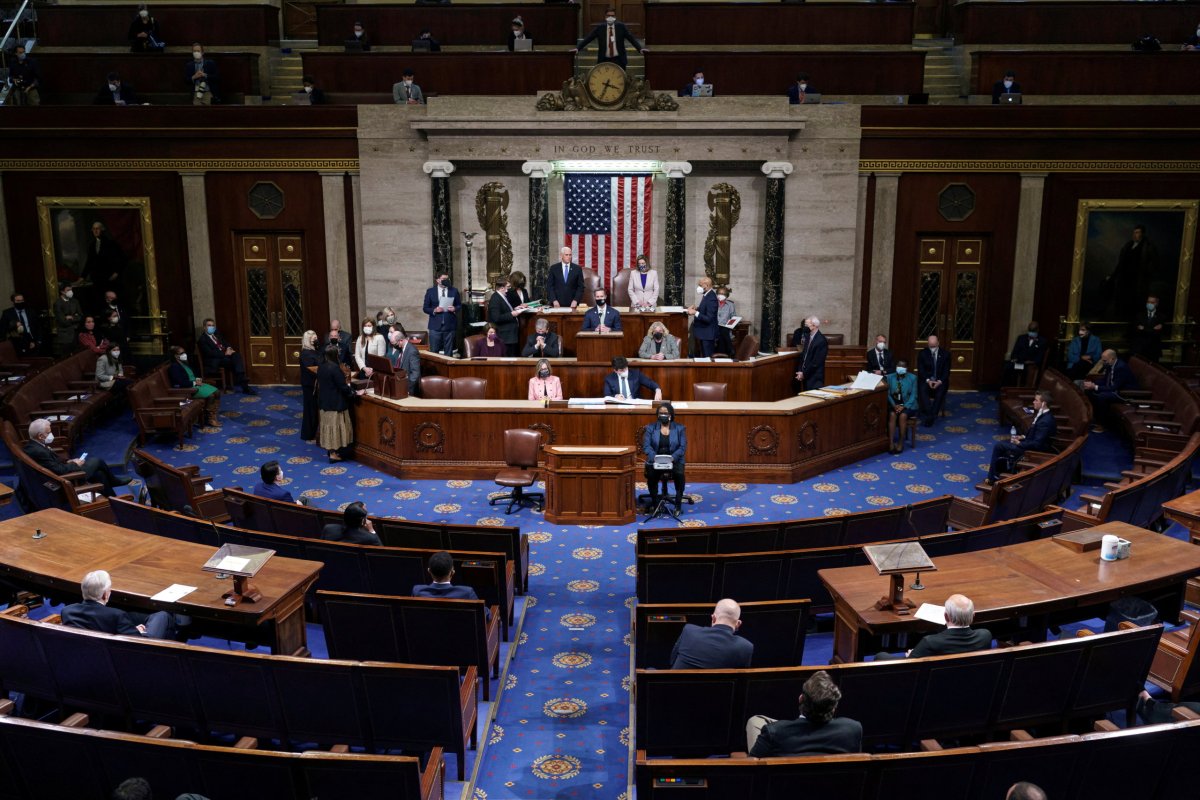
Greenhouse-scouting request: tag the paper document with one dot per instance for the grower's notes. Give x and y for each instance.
(578, 402)
(679, 405)
(866, 380)
(818, 393)
(559, 310)
(233, 564)
(628, 401)
(931, 613)
(670, 309)
(174, 592)
(702, 360)
(732, 323)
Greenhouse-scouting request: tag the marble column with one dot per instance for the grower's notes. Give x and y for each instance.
(860, 258)
(770, 323)
(1025, 259)
(337, 265)
(195, 215)
(676, 232)
(539, 224)
(883, 255)
(7, 273)
(443, 255)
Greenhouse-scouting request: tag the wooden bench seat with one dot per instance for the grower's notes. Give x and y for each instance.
(160, 408)
(777, 628)
(183, 486)
(45, 489)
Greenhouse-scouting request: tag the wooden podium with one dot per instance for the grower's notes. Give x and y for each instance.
(599, 347)
(588, 485)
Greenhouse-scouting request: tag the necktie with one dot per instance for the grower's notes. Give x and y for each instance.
(566, 272)
(624, 386)
(612, 41)
(25, 322)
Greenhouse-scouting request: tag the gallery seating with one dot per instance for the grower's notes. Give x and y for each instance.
(749, 24)
(160, 408)
(1163, 406)
(1080, 22)
(770, 72)
(776, 627)
(1176, 667)
(105, 26)
(146, 682)
(697, 713)
(482, 25)
(1045, 481)
(65, 393)
(44, 489)
(74, 78)
(15, 369)
(1087, 72)
(183, 486)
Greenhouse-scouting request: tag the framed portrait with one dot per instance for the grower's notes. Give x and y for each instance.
(98, 244)
(1127, 250)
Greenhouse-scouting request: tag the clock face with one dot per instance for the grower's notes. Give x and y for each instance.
(606, 85)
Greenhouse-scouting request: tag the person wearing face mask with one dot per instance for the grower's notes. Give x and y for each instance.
(21, 314)
(627, 383)
(181, 376)
(1104, 389)
(704, 317)
(799, 91)
(22, 343)
(611, 35)
(310, 94)
(90, 339)
(143, 33)
(202, 77)
(310, 362)
(1083, 353)
(879, 358)
(37, 447)
(543, 342)
(406, 360)
(518, 34)
(659, 344)
(25, 77)
(491, 346)
(425, 37)
(218, 355)
(360, 36)
(692, 87)
(407, 92)
(116, 92)
(113, 331)
(665, 437)
(67, 316)
(933, 379)
(810, 371)
(1026, 358)
(368, 343)
(602, 318)
(643, 286)
(343, 340)
(902, 404)
(726, 314)
(503, 315)
(543, 385)
(1039, 437)
(270, 475)
(1146, 331)
(335, 431)
(1192, 43)
(1007, 85)
(110, 372)
(441, 305)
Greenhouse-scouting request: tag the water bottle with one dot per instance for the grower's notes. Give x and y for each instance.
(1012, 432)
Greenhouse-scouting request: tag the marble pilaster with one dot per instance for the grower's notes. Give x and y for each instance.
(539, 224)
(883, 252)
(1025, 259)
(771, 320)
(333, 199)
(676, 232)
(195, 214)
(439, 173)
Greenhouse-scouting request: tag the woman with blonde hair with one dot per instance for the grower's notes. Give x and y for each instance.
(543, 385)
(310, 360)
(659, 344)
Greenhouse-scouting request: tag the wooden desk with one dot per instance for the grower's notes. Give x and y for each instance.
(1071, 22)
(587, 485)
(757, 24)
(600, 347)
(141, 565)
(1090, 72)
(1186, 511)
(1033, 579)
(218, 25)
(634, 324)
(453, 26)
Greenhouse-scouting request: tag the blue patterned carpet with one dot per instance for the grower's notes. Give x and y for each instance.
(560, 727)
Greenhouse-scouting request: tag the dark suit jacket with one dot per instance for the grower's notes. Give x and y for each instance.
(10, 316)
(812, 361)
(1040, 433)
(1023, 350)
(884, 362)
(704, 324)
(612, 318)
(565, 292)
(512, 38)
(337, 532)
(444, 321)
(178, 376)
(998, 89)
(212, 352)
(45, 457)
(716, 647)
(333, 393)
(553, 348)
(273, 492)
(500, 315)
(93, 616)
(105, 98)
(787, 737)
(343, 343)
(927, 370)
(622, 35)
(793, 93)
(317, 97)
(637, 382)
(953, 640)
(677, 439)
(1112, 380)
(449, 591)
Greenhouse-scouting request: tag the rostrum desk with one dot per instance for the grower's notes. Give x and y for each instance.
(589, 485)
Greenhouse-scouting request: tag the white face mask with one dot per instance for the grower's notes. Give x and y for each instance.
(880, 346)
(699, 290)
(197, 55)
(803, 86)
(112, 87)
(623, 373)
(1007, 83)
(183, 358)
(408, 81)
(115, 353)
(49, 439)
(143, 13)
(368, 330)
(610, 20)
(358, 34)
(391, 318)
(308, 89)
(699, 81)
(68, 294)
(720, 297)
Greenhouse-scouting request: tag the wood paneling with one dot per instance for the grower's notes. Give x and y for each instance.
(772, 72)
(161, 79)
(397, 25)
(368, 77)
(1106, 22)
(212, 24)
(775, 23)
(1088, 72)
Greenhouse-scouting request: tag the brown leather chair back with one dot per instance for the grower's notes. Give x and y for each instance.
(619, 296)
(832, 339)
(748, 348)
(469, 388)
(591, 282)
(436, 387)
(521, 447)
(709, 392)
(471, 344)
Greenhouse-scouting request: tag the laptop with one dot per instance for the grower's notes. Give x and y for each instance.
(353, 45)
(421, 45)
(812, 98)
(1010, 99)
(301, 99)
(523, 45)
(704, 90)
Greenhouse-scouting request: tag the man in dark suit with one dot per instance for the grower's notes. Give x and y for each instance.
(611, 34)
(407, 360)
(1105, 389)
(880, 360)
(1146, 331)
(355, 527)
(104, 265)
(219, 355)
(799, 90)
(815, 732)
(704, 317)
(1007, 85)
(441, 304)
(96, 469)
(269, 488)
(1027, 353)
(504, 317)
(543, 342)
(116, 93)
(20, 314)
(94, 614)
(564, 282)
(626, 382)
(1039, 438)
(343, 340)
(933, 380)
(715, 647)
(811, 369)
(601, 318)
(441, 570)
(959, 636)
(314, 93)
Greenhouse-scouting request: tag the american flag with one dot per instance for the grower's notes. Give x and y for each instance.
(607, 220)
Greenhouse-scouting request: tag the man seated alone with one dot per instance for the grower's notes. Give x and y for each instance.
(1038, 438)
(356, 527)
(815, 732)
(716, 647)
(94, 613)
(269, 488)
(959, 636)
(441, 570)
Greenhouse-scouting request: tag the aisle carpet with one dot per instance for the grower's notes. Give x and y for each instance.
(561, 727)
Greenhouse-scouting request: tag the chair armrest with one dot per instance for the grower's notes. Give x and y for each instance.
(930, 746)
(1092, 500)
(1183, 714)
(1105, 726)
(1020, 735)
(94, 488)
(190, 470)
(58, 404)
(1140, 394)
(160, 732)
(76, 721)
(1191, 616)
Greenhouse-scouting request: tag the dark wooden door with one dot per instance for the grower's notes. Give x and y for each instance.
(950, 289)
(272, 271)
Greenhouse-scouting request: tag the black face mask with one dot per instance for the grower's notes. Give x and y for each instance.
(658, 337)
(543, 373)
(601, 303)
(664, 419)
(19, 306)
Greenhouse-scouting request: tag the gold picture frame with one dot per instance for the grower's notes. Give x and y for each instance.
(65, 229)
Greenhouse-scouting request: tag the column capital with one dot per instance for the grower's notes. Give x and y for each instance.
(537, 169)
(438, 169)
(1034, 175)
(777, 169)
(677, 169)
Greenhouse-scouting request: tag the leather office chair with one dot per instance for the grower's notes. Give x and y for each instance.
(591, 282)
(469, 388)
(619, 296)
(521, 447)
(436, 387)
(709, 392)
(748, 348)
(471, 345)
(221, 378)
